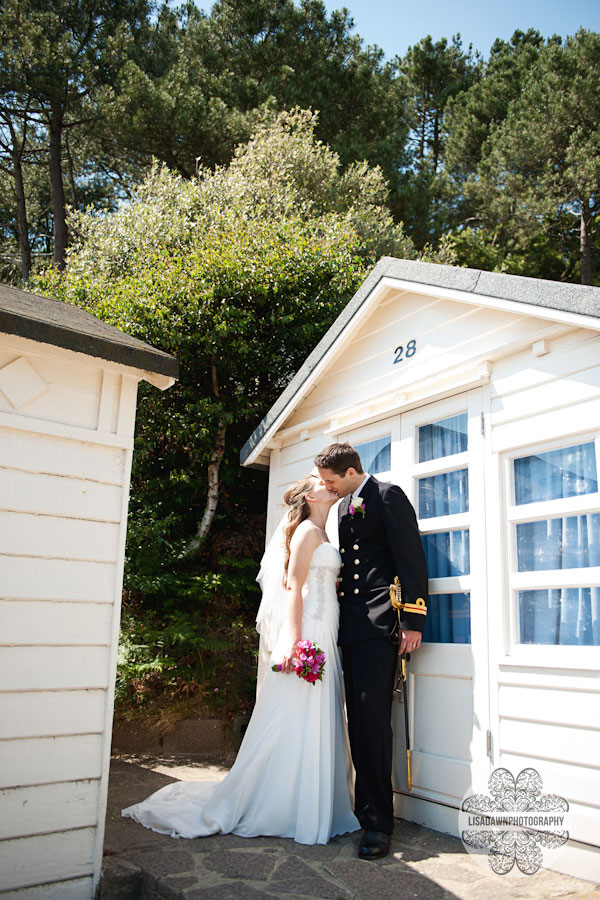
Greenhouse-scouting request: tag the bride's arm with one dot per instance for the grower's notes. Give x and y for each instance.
(302, 546)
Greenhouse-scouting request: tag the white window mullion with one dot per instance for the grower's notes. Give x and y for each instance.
(454, 584)
(554, 509)
(455, 522)
(548, 579)
(441, 464)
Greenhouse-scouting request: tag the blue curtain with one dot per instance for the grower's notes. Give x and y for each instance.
(447, 553)
(375, 456)
(444, 495)
(569, 543)
(448, 619)
(559, 473)
(443, 438)
(560, 616)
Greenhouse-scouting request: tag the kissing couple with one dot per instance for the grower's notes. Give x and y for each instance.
(292, 776)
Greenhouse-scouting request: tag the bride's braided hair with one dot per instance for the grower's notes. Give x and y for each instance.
(295, 498)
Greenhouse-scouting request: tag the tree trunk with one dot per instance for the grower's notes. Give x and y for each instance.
(57, 188)
(71, 175)
(212, 497)
(422, 137)
(585, 251)
(22, 225)
(436, 141)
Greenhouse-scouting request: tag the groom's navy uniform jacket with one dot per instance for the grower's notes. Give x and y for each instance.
(385, 543)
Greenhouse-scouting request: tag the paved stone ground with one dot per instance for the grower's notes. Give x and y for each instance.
(423, 864)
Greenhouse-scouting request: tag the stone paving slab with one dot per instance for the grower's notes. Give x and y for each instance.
(423, 864)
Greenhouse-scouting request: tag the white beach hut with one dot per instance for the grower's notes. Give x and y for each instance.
(68, 385)
(479, 394)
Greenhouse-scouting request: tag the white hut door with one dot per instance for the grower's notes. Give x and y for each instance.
(438, 461)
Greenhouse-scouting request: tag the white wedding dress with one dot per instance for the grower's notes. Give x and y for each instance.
(291, 774)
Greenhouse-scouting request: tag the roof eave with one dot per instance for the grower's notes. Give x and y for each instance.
(280, 407)
(510, 289)
(143, 357)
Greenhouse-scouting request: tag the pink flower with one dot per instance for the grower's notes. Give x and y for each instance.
(308, 663)
(357, 505)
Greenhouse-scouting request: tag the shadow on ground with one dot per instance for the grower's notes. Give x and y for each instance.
(423, 864)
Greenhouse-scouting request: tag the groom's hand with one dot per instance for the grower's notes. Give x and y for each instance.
(409, 641)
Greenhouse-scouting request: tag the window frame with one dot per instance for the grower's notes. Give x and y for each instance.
(379, 429)
(578, 656)
(425, 415)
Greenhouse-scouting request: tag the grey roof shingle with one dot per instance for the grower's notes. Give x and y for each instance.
(63, 325)
(574, 298)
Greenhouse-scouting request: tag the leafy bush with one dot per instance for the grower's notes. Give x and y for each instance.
(238, 273)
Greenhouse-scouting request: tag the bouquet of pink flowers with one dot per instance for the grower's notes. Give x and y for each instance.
(308, 663)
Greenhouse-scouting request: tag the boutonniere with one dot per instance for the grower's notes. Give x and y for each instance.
(357, 505)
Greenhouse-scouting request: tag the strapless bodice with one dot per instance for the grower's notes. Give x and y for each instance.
(319, 591)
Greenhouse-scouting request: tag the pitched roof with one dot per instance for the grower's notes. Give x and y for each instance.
(536, 292)
(63, 325)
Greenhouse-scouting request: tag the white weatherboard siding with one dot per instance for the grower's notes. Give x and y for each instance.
(529, 384)
(447, 335)
(545, 700)
(39, 859)
(65, 458)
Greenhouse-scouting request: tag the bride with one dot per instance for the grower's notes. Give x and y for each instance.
(290, 775)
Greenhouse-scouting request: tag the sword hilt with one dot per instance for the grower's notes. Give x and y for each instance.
(396, 596)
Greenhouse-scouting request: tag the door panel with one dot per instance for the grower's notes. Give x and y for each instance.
(440, 467)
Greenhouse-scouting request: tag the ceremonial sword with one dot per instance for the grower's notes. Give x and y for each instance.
(396, 601)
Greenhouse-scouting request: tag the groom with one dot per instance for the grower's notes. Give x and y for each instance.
(379, 539)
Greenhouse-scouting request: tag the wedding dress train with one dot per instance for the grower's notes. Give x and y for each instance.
(290, 777)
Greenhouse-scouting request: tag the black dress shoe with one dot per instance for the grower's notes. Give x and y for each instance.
(374, 845)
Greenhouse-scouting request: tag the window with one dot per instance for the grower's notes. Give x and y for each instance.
(448, 619)
(444, 495)
(569, 543)
(443, 438)
(442, 508)
(375, 456)
(562, 616)
(447, 553)
(556, 546)
(558, 473)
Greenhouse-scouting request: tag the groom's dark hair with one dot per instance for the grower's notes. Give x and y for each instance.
(339, 458)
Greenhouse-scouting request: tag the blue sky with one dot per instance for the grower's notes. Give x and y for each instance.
(396, 24)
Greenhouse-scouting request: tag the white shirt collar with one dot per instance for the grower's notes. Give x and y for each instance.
(362, 484)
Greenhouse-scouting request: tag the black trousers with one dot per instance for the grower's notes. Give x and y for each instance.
(369, 673)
